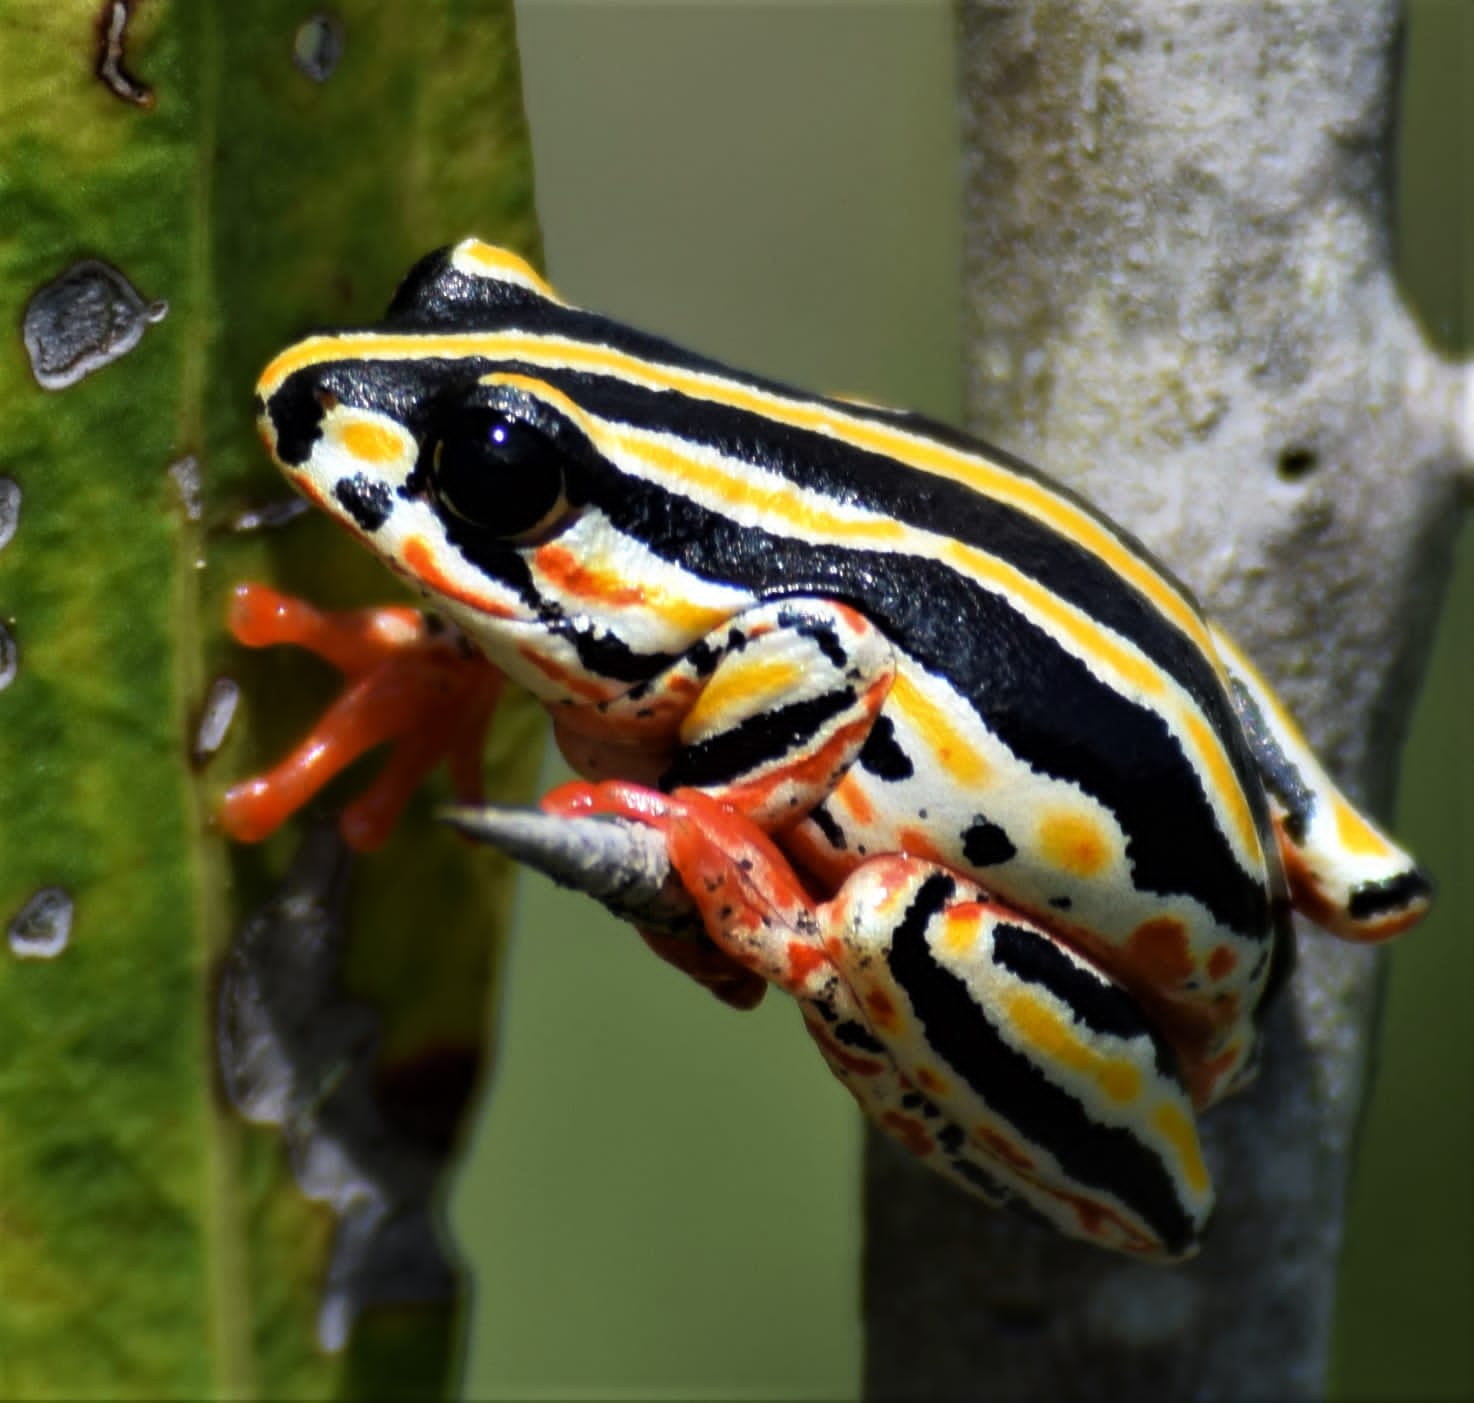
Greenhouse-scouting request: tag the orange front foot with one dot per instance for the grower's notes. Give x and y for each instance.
(424, 689)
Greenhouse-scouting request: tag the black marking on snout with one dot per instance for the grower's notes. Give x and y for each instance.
(295, 413)
(368, 502)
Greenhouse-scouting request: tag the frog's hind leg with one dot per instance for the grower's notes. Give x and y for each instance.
(969, 1034)
(1051, 1084)
(1344, 873)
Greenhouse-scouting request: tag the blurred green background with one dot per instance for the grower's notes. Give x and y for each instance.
(664, 1197)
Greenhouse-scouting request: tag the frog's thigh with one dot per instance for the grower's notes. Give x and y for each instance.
(1344, 873)
(791, 694)
(1056, 1087)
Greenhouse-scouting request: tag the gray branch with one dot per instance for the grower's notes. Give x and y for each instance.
(1180, 279)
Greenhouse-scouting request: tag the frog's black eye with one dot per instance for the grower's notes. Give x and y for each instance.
(497, 474)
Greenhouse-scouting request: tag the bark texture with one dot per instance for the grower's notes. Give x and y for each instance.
(1179, 271)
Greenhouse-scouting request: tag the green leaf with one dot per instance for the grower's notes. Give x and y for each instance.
(153, 1242)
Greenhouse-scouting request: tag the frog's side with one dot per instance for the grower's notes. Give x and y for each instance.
(947, 755)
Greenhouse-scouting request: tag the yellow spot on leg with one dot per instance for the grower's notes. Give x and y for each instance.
(959, 932)
(1051, 1036)
(1178, 1129)
(1356, 835)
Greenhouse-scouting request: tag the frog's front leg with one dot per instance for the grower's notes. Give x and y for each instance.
(968, 1032)
(765, 714)
(411, 681)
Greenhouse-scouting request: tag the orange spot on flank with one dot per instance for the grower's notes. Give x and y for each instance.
(1160, 953)
(1222, 962)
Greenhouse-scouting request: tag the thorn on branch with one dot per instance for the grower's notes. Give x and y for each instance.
(621, 864)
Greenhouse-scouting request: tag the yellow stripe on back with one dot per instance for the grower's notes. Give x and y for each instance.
(894, 441)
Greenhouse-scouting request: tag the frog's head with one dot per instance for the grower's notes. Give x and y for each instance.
(452, 440)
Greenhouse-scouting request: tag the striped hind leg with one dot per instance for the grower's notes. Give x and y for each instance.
(967, 1032)
(1344, 873)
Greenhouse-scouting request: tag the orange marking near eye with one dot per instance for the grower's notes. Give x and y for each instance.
(568, 573)
(1073, 842)
(420, 560)
(608, 587)
(370, 442)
